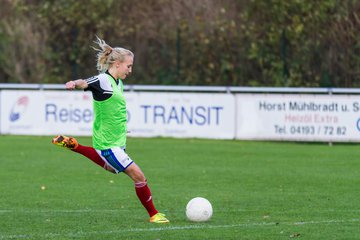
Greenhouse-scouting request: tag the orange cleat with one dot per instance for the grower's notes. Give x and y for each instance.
(67, 142)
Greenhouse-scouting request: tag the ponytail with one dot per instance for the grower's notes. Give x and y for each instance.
(107, 55)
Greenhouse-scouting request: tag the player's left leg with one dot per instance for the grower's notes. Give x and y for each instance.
(141, 188)
(144, 194)
(118, 159)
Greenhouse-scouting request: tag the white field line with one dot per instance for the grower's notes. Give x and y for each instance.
(174, 228)
(60, 210)
(39, 211)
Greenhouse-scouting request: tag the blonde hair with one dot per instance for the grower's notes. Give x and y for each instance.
(107, 55)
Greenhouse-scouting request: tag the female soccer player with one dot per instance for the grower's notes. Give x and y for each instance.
(109, 127)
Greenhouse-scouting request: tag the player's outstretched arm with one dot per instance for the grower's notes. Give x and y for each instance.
(76, 84)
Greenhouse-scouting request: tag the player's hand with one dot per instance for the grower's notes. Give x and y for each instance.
(70, 85)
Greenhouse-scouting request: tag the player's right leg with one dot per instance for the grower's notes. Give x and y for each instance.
(89, 152)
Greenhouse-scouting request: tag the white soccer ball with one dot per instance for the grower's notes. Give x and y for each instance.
(199, 210)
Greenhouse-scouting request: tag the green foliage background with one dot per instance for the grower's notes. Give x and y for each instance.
(295, 43)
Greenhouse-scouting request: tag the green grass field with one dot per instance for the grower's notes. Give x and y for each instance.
(259, 190)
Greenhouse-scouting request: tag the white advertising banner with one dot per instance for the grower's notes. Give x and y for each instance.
(149, 114)
(181, 115)
(46, 112)
(303, 117)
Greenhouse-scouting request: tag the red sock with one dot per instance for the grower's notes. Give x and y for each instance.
(90, 153)
(144, 194)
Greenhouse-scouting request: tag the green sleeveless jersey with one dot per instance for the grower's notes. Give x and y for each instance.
(109, 127)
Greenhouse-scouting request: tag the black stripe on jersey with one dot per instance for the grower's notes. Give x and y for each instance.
(98, 93)
(92, 80)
